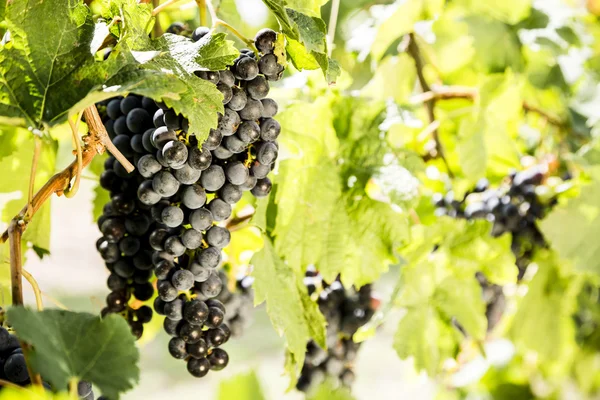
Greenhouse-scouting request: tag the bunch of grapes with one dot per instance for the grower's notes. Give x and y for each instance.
(345, 310)
(239, 303)
(587, 316)
(13, 367)
(179, 198)
(513, 208)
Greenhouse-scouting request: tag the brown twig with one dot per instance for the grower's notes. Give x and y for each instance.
(551, 119)
(216, 22)
(36, 379)
(94, 143)
(34, 163)
(415, 53)
(15, 232)
(437, 92)
(159, 8)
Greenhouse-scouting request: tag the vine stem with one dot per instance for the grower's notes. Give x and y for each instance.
(73, 382)
(12, 385)
(202, 10)
(162, 6)
(36, 379)
(415, 53)
(333, 17)
(34, 163)
(216, 22)
(70, 192)
(35, 287)
(15, 233)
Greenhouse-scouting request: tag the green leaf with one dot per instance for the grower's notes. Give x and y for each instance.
(309, 7)
(489, 57)
(394, 78)
(212, 53)
(402, 17)
(547, 307)
(79, 345)
(508, 11)
(423, 336)
(572, 229)
(452, 39)
(277, 7)
(291, 311)
(461, 298)
(327, 391)
(241, 387)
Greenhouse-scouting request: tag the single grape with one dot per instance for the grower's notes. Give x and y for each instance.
(147, 141)
(229, 122)
(267, 153)
(172, 120)
(215, 317)
(174, 309)
(113, 229)
(175, 153)
(234, 144)
(120, 126)
(265, 40)
(213, 140)
(174, 246)
(183, 280)
(226, 91)
(270, 108)
(129, 103)
(248, 132)
(199, 159)
(143, 291)
(193, 197)
(159, 306)
(226, 77)
(195, 312)
(198, 367)
(166, 291)
(269, 129)
(138, 120)
(129, 246)
(192, 239)
(113, 109)
(201, 219)
(158, 118)
(187, 175)
(146, 193)
(209, 257)
(162, 136)
(163, 269)
(172, 327)
(190, 333)
(122, 204)
(218, 236)
(213, 178)
(177, 348)
(201, 274)
(246, 69)
(117, 300)
(116, 283)
(268, 65)
(109, 251)
(137, 143)
(199, 33)
(262, 188)
(165, 184)
(231, 194)
(15, 368)
(148, 166)
(252, 111)
(212, 286)
(238, 99)
(84, 389)
(198, 349)
(215, 337)
(124, 269)
(236, 173)
(172, 216)
(222, 153)
(258, 88)
(219, 209)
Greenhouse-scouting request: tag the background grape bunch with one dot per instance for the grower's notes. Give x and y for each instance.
(345, 310)
(166, 219)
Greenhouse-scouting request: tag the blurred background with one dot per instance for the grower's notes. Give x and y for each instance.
(74, 276)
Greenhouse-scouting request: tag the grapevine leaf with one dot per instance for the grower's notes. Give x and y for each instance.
(461, 299)
(327, 391)
(452, 39)
(291, 311)
(400, 21)
(309, 7)
(278, 8)
(312, 30)
(68, 344)
(241, 387)
(572, 229)
(423, 336)
(547, 307)
(211, 53)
